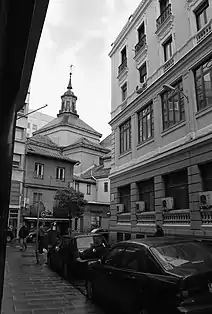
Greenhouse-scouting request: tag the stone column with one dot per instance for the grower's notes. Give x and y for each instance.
(194, 187)
(159, 193)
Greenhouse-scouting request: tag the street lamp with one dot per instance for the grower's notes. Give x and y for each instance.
(173, 89)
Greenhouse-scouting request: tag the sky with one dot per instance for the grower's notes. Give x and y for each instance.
(79, 33)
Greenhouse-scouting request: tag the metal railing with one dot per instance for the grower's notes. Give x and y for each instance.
(122, 66)
(174, 217)
(141, 44)
(146, 218)
(206, 217)
(204, 31)
(164, 16)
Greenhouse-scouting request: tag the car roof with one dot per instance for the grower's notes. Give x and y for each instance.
(157, 241)
(82, 235)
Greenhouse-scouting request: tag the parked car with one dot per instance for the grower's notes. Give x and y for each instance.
(10, 235)
(154, 275)
(104, 232)
(71, 255)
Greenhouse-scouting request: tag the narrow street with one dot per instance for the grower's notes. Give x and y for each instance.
(34, 289)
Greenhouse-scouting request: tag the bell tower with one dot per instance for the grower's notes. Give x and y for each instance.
(68, 99)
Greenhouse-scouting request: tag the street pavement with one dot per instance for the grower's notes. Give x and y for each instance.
(34, 289)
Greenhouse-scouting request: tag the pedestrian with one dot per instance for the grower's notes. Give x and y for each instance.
(23, 234)
(159, 231)
(43, 243)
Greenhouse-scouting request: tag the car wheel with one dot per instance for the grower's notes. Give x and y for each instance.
(89, 290)
(9, 238)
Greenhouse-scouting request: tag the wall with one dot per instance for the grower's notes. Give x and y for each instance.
(39, 119)
(102, 196)
(83, 189)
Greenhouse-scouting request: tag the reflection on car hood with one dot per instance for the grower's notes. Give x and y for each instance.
(190, 269)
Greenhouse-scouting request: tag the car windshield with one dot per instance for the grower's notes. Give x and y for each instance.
(182, 254)
(85, 242)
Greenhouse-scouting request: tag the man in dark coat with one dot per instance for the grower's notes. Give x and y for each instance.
(159, 231)
(23, 234)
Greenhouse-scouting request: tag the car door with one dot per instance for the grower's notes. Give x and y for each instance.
(102, 279)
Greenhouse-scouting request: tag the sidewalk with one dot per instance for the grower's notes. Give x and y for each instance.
(34, 289)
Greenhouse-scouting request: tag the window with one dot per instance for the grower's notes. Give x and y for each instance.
(88, 189)
(127, 236)
(202, 15)
(105, 186)
(124, 198)
(28, 125)
(125, 136)
(147, 194)
(124, 91)
(141, 32)
(120, 236)
(163, 5)
(143, 73)
(173, 106)
(60, 173)
(16, 160)
(167, 48)
(34, 127)
(145, 123)
(123, 55)
(38, 173)
(203, 82)
(37, 197)
(113, 257)
(206, 173)
(77, 186)
(176, 186)
(19, 133)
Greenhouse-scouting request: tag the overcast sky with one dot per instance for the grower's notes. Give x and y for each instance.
(79, 32)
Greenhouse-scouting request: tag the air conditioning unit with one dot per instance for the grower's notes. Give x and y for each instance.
(140, 88)
(167, 203)
(140, 206)
(120, 208)
(205, 199)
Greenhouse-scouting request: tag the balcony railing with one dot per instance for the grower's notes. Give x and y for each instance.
(124, 217)
(122, 66)
(168, 64)
(164, 16)
(146, 218)
(206, 217)
(204, 32)
(177, 218)
(141, 44)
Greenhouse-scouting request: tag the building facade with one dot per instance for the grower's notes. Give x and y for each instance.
(17, 181)
(37, 120)
(161, 119)
(47, 170)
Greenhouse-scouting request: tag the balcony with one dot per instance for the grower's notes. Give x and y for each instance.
(168, 64)
(206, 217)
(204, 32)
(146, 218)
(122, 67)
(140, 45)
(124, 218)
(177, 217)
(165, 15)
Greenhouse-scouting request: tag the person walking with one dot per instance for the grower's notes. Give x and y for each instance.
(43, 243)
(23, 234)
(159, 231)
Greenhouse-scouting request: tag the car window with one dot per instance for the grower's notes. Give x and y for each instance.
(139, 259)
(85, 242)
(113, 257)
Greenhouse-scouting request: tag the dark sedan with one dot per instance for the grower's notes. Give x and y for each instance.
(71, 255)
(155, 275)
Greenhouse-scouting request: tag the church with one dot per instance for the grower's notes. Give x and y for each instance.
(73, 155)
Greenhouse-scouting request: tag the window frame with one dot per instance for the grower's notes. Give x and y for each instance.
(88, 189)
(105, 187)
(143, 77)
(58, 172)
(124, 91)
(140, 33)
(200, 77)
(18, 163)
(146, 190)
(168, 97)
(143, 121)
(22, 133)
(123, 54)
(125, 197)
(125, 136)
(37, 199)
(36, 172)
(168, 49)
(202, 9)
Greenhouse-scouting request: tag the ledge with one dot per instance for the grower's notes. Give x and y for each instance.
(125, 154)
(145, 143)
(203, 111)
(173, 128)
